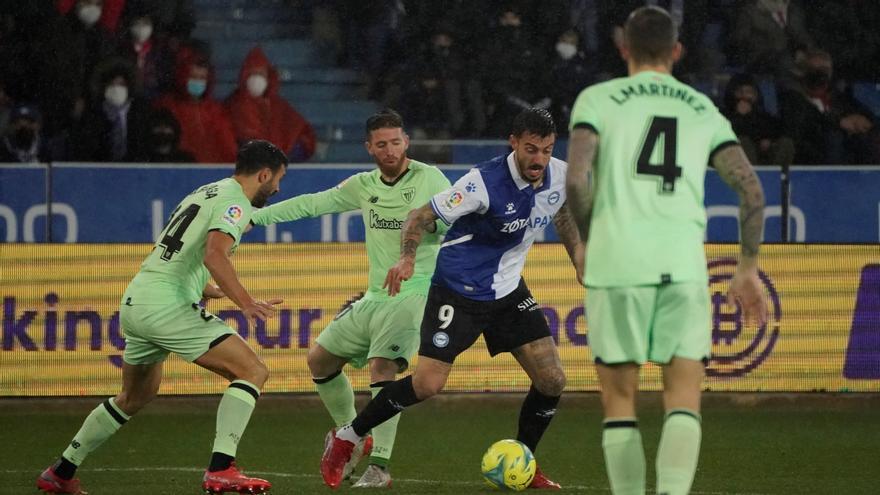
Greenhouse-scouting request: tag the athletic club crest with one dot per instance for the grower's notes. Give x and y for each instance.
(408, 194)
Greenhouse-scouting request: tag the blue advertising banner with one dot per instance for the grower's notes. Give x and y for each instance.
(130, 203)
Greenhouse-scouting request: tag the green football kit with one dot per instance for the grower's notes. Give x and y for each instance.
(159, 311)
(377, 325)
(645, 263)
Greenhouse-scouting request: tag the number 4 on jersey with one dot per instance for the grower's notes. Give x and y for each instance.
(665, 128)
(171, 237)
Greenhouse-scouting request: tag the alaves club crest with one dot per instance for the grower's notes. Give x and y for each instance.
(408, 194)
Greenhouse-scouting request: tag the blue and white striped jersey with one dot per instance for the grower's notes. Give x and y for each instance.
(495, 216)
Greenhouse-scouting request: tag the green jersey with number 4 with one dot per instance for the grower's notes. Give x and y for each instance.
(656, 137)
(175, 271)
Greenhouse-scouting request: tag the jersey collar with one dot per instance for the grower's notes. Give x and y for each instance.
(514, 173)
(522, 183)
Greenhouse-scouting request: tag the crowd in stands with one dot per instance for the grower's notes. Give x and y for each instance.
(456, 73)
(122, 80)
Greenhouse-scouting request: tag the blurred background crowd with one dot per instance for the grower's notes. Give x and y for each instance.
(136, 81)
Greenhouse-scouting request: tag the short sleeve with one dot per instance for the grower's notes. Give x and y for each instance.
(467, 195)
(585, 113)
(230, 216)
(723, 135)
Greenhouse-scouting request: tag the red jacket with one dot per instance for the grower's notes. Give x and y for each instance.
(268, 117)
(205, 129)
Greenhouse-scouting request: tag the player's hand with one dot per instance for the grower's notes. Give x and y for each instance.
(401, 271)
(261, 310)
(747, 290)
(213, 292)
(580, 262)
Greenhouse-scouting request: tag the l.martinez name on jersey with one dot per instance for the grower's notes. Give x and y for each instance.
(532, 223)
(377, 222)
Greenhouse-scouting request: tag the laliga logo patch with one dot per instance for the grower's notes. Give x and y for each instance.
(441, 339)
(233, 214)
(736, 348)
(454, 199)
(553, 198)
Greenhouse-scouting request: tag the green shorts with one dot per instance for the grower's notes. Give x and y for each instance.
(649, 323)
(376, 328)
(152, 331)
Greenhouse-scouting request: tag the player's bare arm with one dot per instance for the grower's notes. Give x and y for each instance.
(746, 288)
(736, 171)
(219, 264)
(567, 231)
(582, 146)
(212, 291)
(418, 222)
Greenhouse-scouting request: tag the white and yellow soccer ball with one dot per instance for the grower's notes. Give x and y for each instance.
(508, 465)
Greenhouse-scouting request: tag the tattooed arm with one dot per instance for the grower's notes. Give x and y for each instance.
(736, 171)
(418, 222)
(579, 181)
(568, 234)
(746, 287)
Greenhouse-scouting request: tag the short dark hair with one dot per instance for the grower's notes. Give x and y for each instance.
(385, 119)
(537, 121)
(650, 35)
(256, 154)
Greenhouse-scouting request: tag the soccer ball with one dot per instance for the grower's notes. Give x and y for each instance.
(509, 465)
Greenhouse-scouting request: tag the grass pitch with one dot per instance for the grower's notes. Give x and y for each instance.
(753, 444)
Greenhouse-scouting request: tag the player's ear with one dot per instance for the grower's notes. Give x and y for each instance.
(265, 175)
(405, 141)
(512, 141)
(677, 52)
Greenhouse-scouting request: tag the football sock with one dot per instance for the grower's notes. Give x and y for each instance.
(394, 397)
(99, 425)
(384, 434)
(624, 456)
(679, 452)
(535, 416)
(220, 462)
(338, 397)
(233, 415)
(64, 469)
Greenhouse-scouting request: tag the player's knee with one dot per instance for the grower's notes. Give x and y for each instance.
(552, 382)
(427, 388)
(132, 403)
(257, 374)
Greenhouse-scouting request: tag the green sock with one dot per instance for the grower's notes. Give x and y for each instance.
(99, 425)
(338, 397)
(233, 415)
(624, 456)
(384, 434)
(679, 452)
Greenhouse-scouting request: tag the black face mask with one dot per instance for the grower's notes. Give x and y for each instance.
(23, 138)
(163, 142)
(817, 79)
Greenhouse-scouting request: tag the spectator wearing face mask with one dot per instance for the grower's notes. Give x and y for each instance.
(828, 126)
(147, 53)
(760, 134)
(108, 18)
(570, 72)
(259, 112)
(163, 140)
(22, 142)
(205, 127)
(67, 52)
(115, 124)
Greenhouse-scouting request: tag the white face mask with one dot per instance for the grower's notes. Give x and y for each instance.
(256, 84)
(89, 14)
(141, 32)
(116, 95)
(566, 50)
